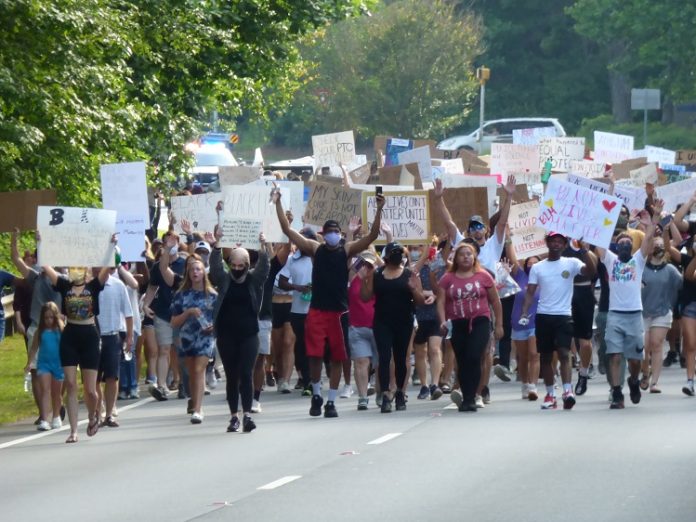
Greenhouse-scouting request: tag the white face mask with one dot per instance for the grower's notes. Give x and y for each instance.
(332, 238)
(174, 251)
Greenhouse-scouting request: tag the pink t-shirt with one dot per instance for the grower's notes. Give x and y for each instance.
(361, 314)
(466, 298)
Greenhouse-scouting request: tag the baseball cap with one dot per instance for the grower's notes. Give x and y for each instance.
(202, 245)
(476, 219)
(551, 234)
(308, 233)
(391, 247)
(368, 257)
(331, 223)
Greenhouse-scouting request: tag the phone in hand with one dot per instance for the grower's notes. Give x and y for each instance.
(378, 190)
(665, 221)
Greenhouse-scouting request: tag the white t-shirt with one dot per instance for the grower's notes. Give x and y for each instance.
(299, 272)
(555, 280)
(625, 281)
(490, 252)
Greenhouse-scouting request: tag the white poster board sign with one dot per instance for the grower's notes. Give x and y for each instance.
(561, 151)
(295, 204)
(507, 158)
(578, 212)
(632, 197)
(406, 212)
(248, 212)
(587, 168)
(449, 166)
(660, 155)
(528, 239)
(332, 149)
(199, 210)
(124, 189)
(72, 236)
(532, 136)
(612, 148)
(239, 175)
(675, 193)
(421, 156)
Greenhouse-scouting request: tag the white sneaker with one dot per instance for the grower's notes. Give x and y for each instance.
(196, 418)
(284, 387)
(56, 423)
(525, 391)
(255, 406)
(532, 393)
(43, 426)
(479, 402)
(211, 380)
(346, 392)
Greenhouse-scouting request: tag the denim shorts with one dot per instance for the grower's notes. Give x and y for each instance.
(522, 335)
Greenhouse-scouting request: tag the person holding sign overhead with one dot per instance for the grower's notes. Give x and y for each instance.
(329, 298)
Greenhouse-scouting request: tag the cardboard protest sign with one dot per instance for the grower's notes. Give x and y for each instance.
(462, 203)
(490, 183)
(507, 158)
(686, 157)
(521, 193)
(587, 168)
(528, 239)
(239, 175)
(632, 197)
(644, 174)
(332, 202)
(578, 212)
(532, 136)
(72, 236)
(248, 212)
(623, 169)
(675, 193)
(421, 156)
(199, 210)
(18, 209)
(332, 149)
(404, 175)
(406, 212)
(361, 174)
(394, 147)
(561, 151)
(294, 204)
(124, 189)
(526, 178)
(479, 170)
(612, 148)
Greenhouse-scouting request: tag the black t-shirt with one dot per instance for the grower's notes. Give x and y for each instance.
(162, 302)
(82, 306)
(266, 311)
(688, 293)
(236, 318)
(330, 279)
(393, 299)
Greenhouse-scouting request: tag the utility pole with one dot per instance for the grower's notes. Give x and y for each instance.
(483, 74)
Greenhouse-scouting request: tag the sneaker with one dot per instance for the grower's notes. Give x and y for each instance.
(157, 392)
(122, 395)
(134, 394)
(362, 403)
(211, 380)
(43, 426)
(37, 421)
(386, 406)
(330, 410)
(435, 392)
(467, 406)
(568, 400)
(56, 423)
(234, 425)
(446, 388)
(581, 385)
(206, 391)
(669, 359)
(248, 424)
(400, 401)
(255, 406)
(378, 400)
(634, 389)
(549, 403)
(424, 393)
(307, 392)
(181, 394)
(270, 380)
(370, 389)
(150, 380)
(591, 371)
(346, 392)
(532, 395)
(689, 389)
(457, 398)
(284, 387)
(486, 395)
(501, 372)
(315, 409)
(478, 400)
(525, 392)
(196, 418)
(617, 399)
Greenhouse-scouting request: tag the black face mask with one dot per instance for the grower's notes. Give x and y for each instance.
(658, 252)
(623, 250)
(238, 274)
(622, 222)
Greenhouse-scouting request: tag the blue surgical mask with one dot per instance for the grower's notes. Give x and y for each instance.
(332, 238)
(415, 256)
(297, 254)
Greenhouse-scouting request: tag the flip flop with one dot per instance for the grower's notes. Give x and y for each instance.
(93, 426)
(71, 439)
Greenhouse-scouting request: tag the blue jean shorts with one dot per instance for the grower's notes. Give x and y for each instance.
(522, 335)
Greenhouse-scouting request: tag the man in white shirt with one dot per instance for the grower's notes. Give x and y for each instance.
(624, 333)
(554, 323)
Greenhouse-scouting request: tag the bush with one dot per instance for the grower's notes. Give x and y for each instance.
(670, 137)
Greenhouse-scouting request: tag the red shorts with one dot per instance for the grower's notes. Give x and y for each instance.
(322, 326)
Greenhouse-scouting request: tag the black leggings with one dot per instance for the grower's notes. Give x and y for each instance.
(297, 321)
(505, 344)
(392, 338)
(468, 347)
(238, 358)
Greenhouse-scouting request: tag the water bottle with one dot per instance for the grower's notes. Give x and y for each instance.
(127, 354)
(546, 171)
(307, 296)
(27, 382)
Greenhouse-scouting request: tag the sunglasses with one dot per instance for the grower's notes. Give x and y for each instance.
(477, 226)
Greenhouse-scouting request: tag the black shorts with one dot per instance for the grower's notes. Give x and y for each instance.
(148, 322)
(553, 332)
(110, 358)
(281, 314)
(426, 329)
(79, 346)
(583, 311)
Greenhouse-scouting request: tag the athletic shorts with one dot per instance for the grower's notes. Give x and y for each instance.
(625, 334)
(689, 310)
(322, 326)
(663, 321)
(53, 368)
(426, 329)
(362, 344)
(110, 359)
(522, 335)
(553, 332)
(281, 314)
(265, 326)
(583, 311)
(79, 346)
(164, 333)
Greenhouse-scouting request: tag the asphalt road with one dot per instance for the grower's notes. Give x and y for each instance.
(510, 461)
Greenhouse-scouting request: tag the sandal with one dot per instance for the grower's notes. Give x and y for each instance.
(71, 439)
(644, 383)
(93, 426)
(110, 422)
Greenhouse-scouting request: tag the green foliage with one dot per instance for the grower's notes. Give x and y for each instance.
(406, 70)
(15, 404)
(670, 137)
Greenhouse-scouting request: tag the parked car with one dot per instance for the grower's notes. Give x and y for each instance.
(497, 131)
(209, 159)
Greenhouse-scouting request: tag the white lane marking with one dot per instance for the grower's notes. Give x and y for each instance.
(280, 482)
(66, 427)
(452, 406)
(385, 438)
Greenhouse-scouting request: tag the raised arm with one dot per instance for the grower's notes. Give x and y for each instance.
(16, 258)
(307, 246)
(505, 208)
(127, 278)
(263, 264)
(355, 247)
(452, 229)
(682, 225)
(51, 274)
(218, 270)
(646, 246)
(167, 273)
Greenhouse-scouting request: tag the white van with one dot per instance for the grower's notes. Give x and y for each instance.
(497, 131)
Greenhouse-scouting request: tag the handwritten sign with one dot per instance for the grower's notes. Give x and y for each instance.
(199, 210)
(361, 174)
(587, 168)
(421, 156)
(643, 175)
(18, 209)
(72, 236)
(632, 197)
(561, 151)
(660, 155)
(675, 193)
(578, 212)
(124, 189)
(295, 204)
(406, 212)
(532, 136)
(507, 158)
(612, 148)
(328, 201)
(686, 157)
(527, 237)
(332, 149)
(526, 178)
(238, 175)
(248, 212)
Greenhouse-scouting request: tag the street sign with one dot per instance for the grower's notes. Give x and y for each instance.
(645, 99)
